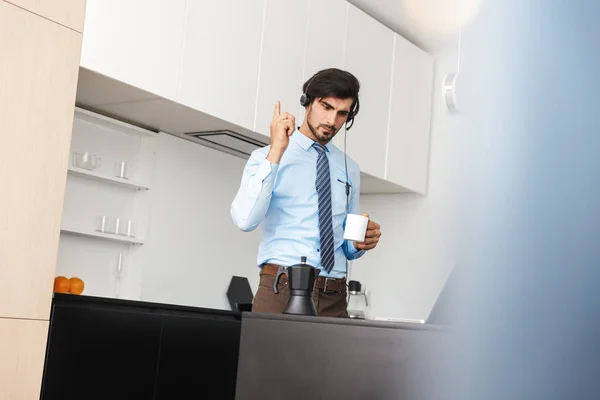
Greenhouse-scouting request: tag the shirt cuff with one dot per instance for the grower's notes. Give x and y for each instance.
(265, 169)
(353, 252)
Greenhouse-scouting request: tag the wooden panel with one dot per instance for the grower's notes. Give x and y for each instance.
(70, 13)
(22, 351)
(37, 103)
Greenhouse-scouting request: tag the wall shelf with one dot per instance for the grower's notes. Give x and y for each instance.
(107, 179)
(112, 123)
(103, 236)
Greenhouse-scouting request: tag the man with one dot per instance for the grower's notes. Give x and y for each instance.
(298, 188)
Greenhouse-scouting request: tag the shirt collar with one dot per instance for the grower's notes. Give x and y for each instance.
(306, 143)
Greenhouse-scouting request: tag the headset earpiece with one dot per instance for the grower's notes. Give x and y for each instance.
(304, 101)
(350, 119)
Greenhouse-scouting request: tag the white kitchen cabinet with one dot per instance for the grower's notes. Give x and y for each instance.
(136, 41)
(282, 61)
(325, 36)
(410, 117)
(368, 55)
(233, 59)
(221, 52)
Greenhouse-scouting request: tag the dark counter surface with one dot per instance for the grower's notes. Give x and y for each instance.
(346, 321)
(175, 308)
(60, 298)
(299, 357)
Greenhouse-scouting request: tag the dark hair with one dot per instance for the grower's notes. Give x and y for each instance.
(332, 82)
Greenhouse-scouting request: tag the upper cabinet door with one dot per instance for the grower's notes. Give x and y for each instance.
(325, 36)
(325, 40)
(368, 55)
(409, 132)
(135, 41)
(221, 52)
(282, 61)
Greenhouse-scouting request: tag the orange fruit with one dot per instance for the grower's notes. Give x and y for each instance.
(61, 284)
(77, 285)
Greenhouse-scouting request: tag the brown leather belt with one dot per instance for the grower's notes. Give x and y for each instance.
(327, 285)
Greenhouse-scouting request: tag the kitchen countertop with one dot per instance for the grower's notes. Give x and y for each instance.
(166, 307)
(139, 304)
(345, 321)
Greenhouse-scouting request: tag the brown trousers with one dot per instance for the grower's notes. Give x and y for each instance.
(266, 300)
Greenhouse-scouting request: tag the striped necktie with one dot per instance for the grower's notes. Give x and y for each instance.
(323, 183)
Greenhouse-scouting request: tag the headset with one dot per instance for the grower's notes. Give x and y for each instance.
(305, 101)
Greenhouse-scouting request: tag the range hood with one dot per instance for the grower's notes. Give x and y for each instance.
(121, 101)
(227, 141)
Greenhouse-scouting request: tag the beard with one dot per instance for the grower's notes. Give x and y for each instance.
(323, 132)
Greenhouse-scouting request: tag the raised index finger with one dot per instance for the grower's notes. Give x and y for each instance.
(277, 110)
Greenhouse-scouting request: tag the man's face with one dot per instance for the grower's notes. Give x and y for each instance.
(326, 116)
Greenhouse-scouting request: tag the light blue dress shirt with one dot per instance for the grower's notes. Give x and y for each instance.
(283, 197)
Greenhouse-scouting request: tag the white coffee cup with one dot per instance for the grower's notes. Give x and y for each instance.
(356, 227)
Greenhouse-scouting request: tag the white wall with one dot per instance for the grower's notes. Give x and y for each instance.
(407, 270)
(193, 248)
(91, 259)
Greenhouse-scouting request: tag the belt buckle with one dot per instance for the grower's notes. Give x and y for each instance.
(327, 279)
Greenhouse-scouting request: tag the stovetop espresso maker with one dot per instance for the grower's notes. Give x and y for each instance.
(301, 281)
